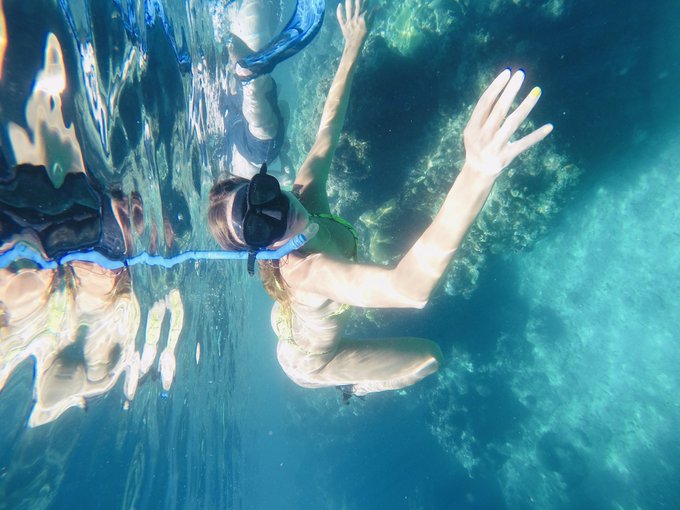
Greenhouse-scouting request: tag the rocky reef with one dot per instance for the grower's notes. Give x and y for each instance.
(424, 65)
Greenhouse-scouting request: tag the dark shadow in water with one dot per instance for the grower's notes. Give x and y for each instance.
(109, 38)
(15, 407)
(399, 97)
(384, 458)
(608, 70)
(558, 455)
(130, 109)
(119, 145)
(162, 90)
(495, 309)
(490, 327)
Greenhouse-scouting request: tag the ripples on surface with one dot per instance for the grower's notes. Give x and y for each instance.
(559, 386)
(104, 99)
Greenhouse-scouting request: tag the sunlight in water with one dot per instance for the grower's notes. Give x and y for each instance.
(3, 37)
(54, 144)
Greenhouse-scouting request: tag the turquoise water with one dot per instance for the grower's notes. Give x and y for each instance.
(559, 323)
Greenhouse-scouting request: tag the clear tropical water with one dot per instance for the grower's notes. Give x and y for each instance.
(559, 323)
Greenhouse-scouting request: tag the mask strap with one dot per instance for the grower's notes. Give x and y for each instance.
(251, 262)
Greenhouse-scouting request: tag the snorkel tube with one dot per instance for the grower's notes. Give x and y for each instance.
(292, 245)
(23, 251)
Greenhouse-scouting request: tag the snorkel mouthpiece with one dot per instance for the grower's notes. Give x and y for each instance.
(293, 244)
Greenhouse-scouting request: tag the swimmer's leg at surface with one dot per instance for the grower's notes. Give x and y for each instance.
(370, 366)
(252, 24)
(250, 27)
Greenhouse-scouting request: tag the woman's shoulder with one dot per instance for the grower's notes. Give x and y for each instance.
(296, 266)
(300, 272)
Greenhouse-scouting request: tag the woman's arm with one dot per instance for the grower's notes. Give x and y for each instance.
(313, 174)
(411, 282)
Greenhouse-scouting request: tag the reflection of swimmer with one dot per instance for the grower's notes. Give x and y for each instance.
(79, 324)
(77, 216)
(167, 362)
(254, 124)
(70, 218)
(315, 286)
(3, 37)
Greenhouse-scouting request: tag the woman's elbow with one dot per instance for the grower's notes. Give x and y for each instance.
(406, 295)
(411, 300)
(420, 304)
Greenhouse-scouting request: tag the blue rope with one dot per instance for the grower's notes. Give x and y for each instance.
(24, 252)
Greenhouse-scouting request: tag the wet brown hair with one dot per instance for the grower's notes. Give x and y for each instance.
(217, 213)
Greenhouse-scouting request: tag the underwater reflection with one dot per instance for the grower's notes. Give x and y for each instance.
(3, 37)
(79, 322)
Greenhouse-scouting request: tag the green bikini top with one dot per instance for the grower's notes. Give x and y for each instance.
(344, 223)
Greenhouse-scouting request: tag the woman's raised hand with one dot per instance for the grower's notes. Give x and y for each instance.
(354, 20)
(488, 149)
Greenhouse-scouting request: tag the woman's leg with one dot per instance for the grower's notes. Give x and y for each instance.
(259, 111)
(367, 365)
(251, 25)
(384, 364)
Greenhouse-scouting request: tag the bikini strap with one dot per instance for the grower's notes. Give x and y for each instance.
(344, 223)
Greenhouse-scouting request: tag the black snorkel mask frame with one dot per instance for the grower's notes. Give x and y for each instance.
(264, 211)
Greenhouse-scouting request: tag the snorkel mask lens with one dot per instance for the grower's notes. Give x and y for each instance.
(266, 217)
(260, 230)
(263, 189)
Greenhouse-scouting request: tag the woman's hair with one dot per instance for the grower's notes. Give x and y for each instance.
(217, 213)
(273, 282)
(217, 220)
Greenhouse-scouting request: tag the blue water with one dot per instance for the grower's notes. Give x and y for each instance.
(559, 323)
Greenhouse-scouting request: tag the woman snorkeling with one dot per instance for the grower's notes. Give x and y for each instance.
(315, 286)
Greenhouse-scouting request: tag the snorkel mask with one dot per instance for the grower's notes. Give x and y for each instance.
(263, 211)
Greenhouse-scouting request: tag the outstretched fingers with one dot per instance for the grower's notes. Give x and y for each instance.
(502, 106)
(353, 20)
(516, 118)
(516, 148)
(487, 136)
(341, 15)
(486, 102)
(350, 12)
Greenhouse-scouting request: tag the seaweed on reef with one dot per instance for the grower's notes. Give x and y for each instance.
(408, 24)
